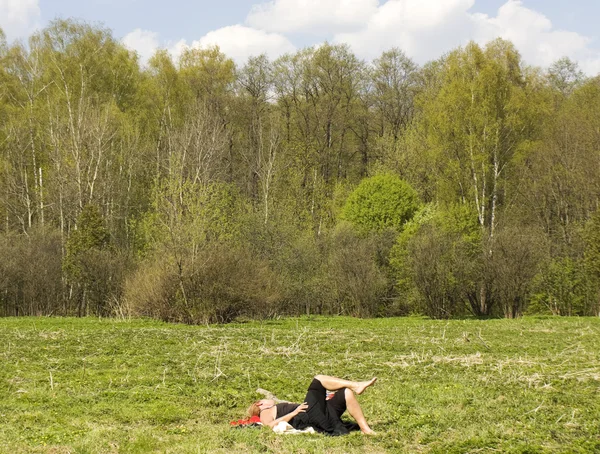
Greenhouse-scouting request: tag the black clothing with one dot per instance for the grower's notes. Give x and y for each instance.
(284, 408)
(324, 415)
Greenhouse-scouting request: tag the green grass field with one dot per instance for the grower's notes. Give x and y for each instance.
(91, 386)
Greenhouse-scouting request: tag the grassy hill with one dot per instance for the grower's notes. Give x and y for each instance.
(90, 386)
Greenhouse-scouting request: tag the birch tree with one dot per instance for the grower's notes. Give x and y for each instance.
(475, 125)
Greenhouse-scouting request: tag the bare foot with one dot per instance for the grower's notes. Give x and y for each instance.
(362, 385)
(369, 432)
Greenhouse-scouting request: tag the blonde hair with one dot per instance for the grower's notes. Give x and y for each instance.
(254, 409)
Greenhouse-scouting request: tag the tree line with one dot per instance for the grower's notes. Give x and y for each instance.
(200, 191)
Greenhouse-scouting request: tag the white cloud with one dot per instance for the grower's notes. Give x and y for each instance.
(144, 42)
(177, 49)
(18, 18)
(239, 42)
(423, 29)
(591, 65)
(236, 41)
(427, 29)
(312, 16)
(533, 34)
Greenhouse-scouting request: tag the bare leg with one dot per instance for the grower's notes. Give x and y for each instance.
(334, 383)
(356, 412)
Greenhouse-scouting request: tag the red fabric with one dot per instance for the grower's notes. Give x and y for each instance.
(243, 422)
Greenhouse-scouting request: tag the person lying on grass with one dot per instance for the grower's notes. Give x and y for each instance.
(318, 411)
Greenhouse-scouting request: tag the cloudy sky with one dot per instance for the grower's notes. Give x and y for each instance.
(543, 30)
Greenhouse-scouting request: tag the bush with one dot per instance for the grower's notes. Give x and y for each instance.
(301, 264)
(230, 282)
(335, 273)
(515, 261)
(592, 259)
(563, 288)
(381, 202)
(437, 261)
(151, 291)
(31, 274)
(103, 275)
(359, 285)
(223, 284)
(93, 269)
(434, 262)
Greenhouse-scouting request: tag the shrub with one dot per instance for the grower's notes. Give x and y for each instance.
(381, 202)
(433, 260)
(301, 264)
(436, 261)
(103, 273)
(592, 259)
(151, 290)
(563, 288)
(31, 274)
(93, 269)
(224, 283)
(359, 285)
(516, 257)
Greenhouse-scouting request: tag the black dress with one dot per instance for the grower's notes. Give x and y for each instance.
(322, 414)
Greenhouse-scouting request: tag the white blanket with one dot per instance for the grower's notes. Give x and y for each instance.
(286, 428)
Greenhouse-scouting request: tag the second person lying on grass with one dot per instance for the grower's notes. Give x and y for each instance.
(318, 411)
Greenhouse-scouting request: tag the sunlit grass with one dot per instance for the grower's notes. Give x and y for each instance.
(89, 385)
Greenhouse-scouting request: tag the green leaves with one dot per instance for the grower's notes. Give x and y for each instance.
(473, 121)
(91, 234)
(435, 260)
(194, 156)
(381, 202)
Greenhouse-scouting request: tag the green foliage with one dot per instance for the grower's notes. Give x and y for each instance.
(359, 284)
(592, 260)
(435, 260)
(94, 270)
(72, 49)
(564, 75)
(400, 258)
(195, 267)
(519, 253)
(479, 118)
(91, 234)
(302, 265)
(564, 191)
(381, 202)
(592, 240)
(193, 161)
(473, 119)
(395, 86)
(186, 216)
(208, 72)
(563, 288)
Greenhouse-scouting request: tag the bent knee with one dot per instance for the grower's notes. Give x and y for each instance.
(349, 394)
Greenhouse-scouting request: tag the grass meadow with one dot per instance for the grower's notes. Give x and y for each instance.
(105, 386)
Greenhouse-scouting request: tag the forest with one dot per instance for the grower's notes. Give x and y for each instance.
(200, 191)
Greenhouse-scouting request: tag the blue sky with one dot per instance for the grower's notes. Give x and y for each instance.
(543, 30)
